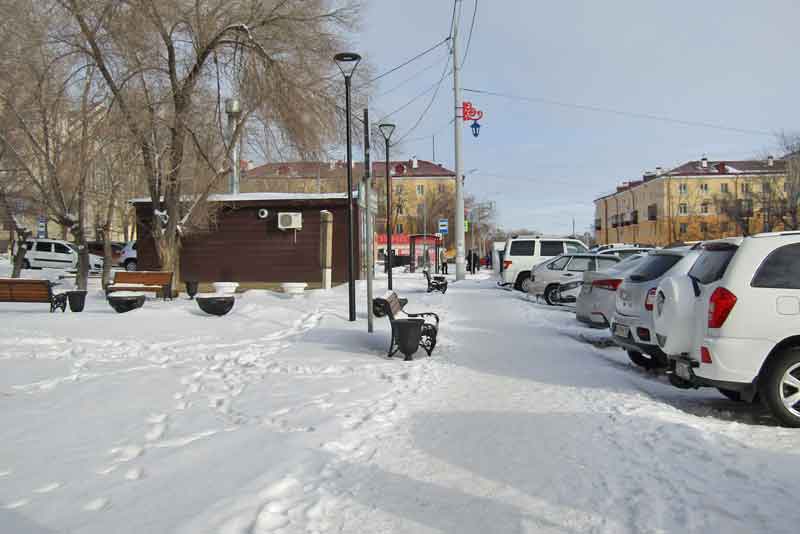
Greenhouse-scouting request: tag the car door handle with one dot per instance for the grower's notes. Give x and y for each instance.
(568, 274)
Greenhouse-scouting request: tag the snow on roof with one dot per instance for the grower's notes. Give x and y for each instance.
(244, 197)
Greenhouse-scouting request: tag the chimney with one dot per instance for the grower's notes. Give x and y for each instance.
(233, 108)
(414, 162)
(704, 162)
(770, 161)
(659, 171)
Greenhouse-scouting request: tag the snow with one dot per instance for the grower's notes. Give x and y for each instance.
(282, 416)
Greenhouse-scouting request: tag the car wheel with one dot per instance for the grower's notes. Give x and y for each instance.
(130, 265)
(551, 295)
(780, 386)
(521, 280)
(732, 395)
(645, 360)
(527, 285)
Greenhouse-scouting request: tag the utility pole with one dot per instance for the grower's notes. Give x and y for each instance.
(369, 237)
(459, 218)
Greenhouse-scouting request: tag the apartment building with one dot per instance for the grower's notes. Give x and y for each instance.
(696, 201)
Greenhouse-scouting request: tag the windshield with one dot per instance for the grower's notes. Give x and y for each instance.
(653, 267)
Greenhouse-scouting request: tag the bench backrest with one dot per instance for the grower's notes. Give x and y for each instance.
(427, 275)
(20, 290)
(149, 278)
(390, 303)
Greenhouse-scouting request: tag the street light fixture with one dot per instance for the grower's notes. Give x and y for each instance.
(347, 63)
(387, 130)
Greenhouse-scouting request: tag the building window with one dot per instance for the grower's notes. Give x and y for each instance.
(704, 227)
(704, 208)
(683, 228)
(745, 188)
(441, 188)
(765, 187)
(723, 188)
(683, 188)
(19, 205)
(399, 228)
(746, 207)
(399, 209)
(420, 190)
(614, 221)
(635, 217)
(787, 187)
(598, 224)
(652, 212)
(398, 189)
(704, 188)
(683, 209)
(724, 226)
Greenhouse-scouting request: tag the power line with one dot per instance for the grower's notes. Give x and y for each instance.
(633, 114)
(410, 78)
(437, 131)
(421, 54)
(430, 103)
(471, 28)
(453, 18)
(417, 97)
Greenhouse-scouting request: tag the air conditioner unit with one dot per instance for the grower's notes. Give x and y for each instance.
(290, 221)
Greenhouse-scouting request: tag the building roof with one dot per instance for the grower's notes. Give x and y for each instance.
(337, 169)
(245, 197)
(723, 168)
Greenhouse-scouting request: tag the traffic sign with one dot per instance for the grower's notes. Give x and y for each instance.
(443, 226)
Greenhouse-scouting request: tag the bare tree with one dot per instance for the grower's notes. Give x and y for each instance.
(167, 62)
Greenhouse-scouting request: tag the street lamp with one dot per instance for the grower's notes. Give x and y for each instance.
(387, 130)
(347, 63)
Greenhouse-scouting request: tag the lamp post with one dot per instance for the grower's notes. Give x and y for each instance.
(347, 63)
(387, 130)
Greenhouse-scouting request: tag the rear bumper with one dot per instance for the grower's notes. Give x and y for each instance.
(733, 360)
(628, 343)
(748, 389)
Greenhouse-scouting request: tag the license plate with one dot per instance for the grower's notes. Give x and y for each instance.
(682, 370)
(621, 330)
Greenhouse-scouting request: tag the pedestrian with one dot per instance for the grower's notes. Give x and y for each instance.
(444, 262)
(475, 261)
(469, 261)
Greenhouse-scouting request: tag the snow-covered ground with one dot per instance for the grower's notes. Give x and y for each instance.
(284, 417)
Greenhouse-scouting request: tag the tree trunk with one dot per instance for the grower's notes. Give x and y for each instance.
(19, 255)
(107, 226)
(168, 248)
(82, 276)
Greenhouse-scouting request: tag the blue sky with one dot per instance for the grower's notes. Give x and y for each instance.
(730, 63)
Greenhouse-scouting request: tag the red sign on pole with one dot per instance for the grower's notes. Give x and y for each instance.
(469, 113)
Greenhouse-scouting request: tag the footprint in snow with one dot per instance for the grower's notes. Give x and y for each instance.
(126, 454)
(47, 488)
(156, 432)
(96, 505)
(134, 474)
(16, 504)
(157, 418)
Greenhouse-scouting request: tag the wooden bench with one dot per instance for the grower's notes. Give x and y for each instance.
(153, 281)
(410, 331)
(436, 283)
(21, 290)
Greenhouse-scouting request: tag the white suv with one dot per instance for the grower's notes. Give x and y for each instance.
(128, 258)
(734, 322)
(56, 254)
(523, 253)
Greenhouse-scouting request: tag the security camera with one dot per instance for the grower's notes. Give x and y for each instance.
(263, 213)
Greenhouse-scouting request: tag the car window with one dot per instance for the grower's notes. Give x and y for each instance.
(559, 264)
(575, 248)
(43, 246)
(580, 264)
(781, 269)
(653, 266)
(551, 248)
(518, 248)
(134, 245)
(605, 263)
(628, 253)
(62, 249)
(712, 263)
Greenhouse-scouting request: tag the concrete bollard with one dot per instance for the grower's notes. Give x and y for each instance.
(326, 248)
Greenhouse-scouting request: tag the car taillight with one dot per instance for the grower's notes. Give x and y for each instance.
(650, 299)
(506, 264)
(705, 355)
(720, 306)
(611, 284)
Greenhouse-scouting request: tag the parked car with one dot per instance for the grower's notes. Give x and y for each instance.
(128, 257)
(523, 253)
(97, 248)
(632, 322)
(56, 254)
(732, 322)
(597, 294)
(568, 268)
